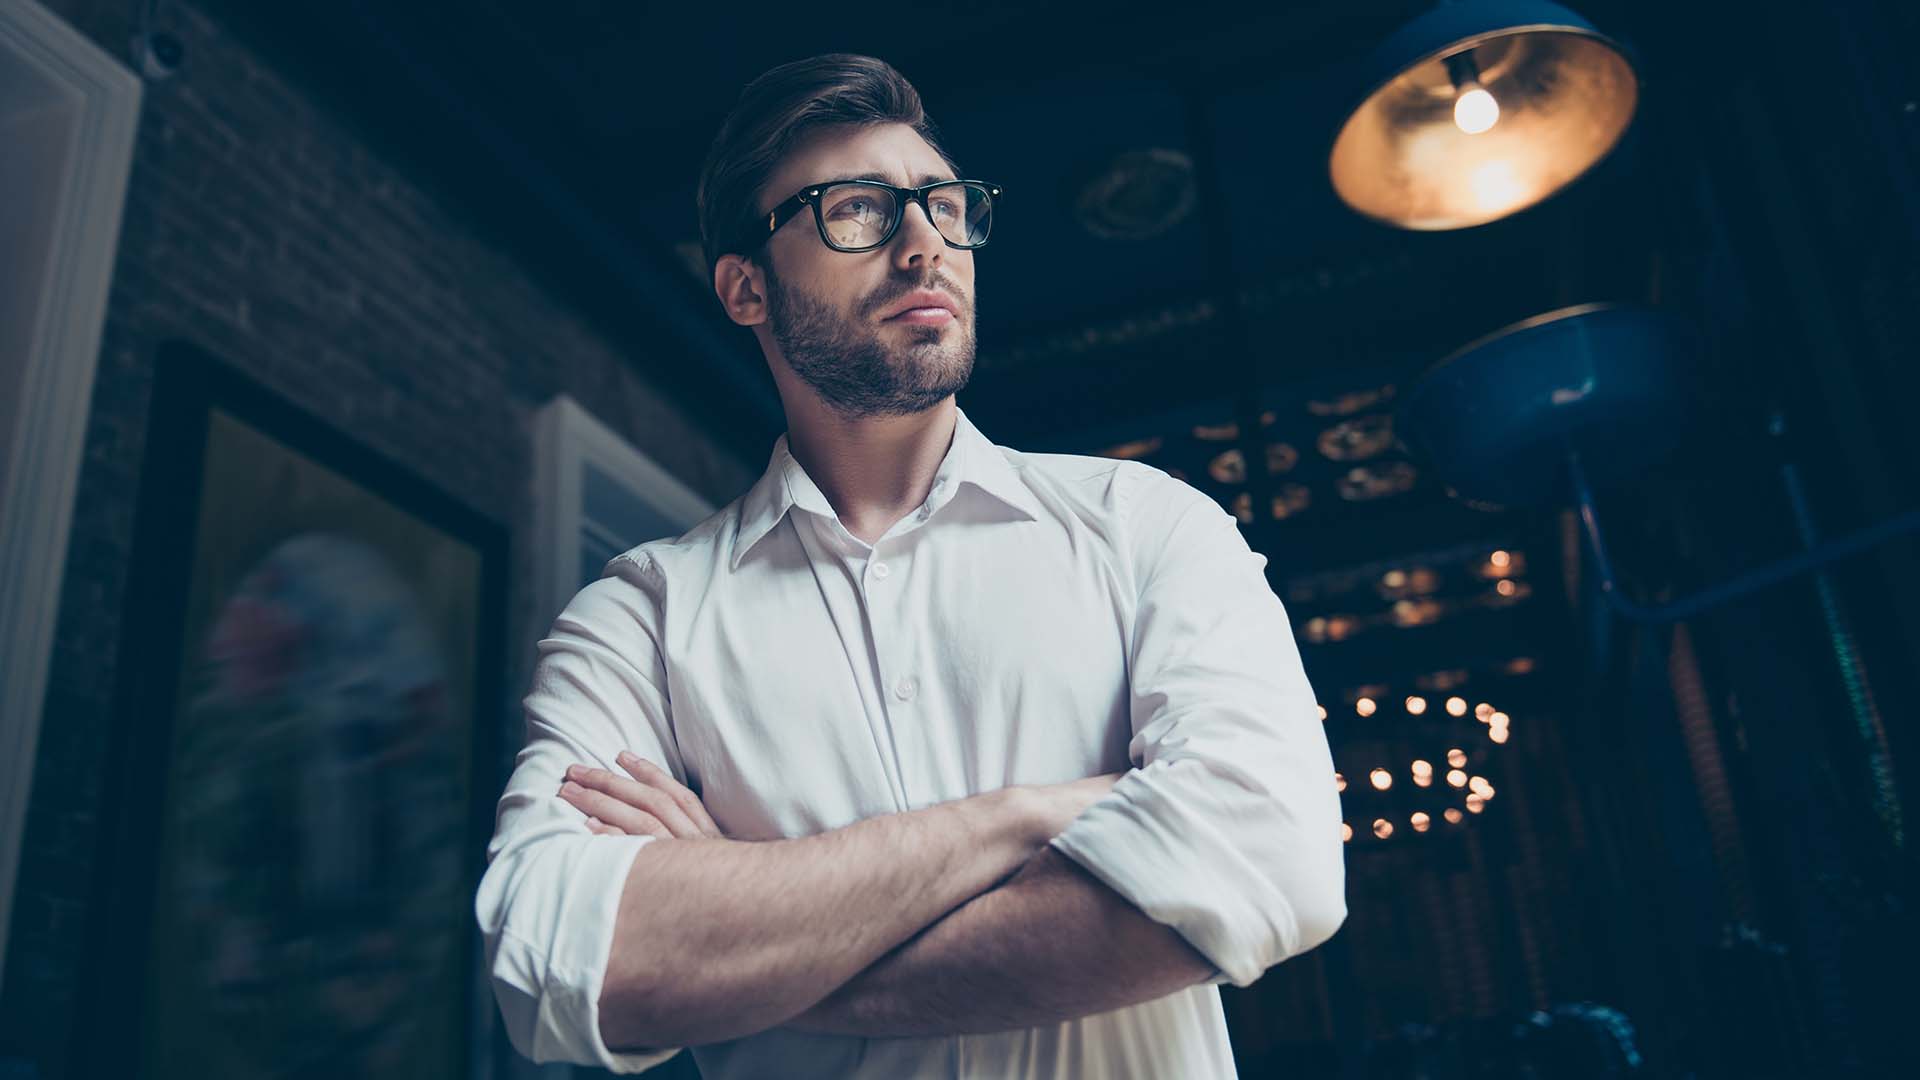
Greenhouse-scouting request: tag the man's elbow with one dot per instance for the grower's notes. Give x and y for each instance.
(1318, 913)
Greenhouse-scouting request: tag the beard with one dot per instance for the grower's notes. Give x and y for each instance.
(857, 372)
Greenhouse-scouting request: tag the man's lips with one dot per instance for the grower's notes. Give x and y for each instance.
(929, 316)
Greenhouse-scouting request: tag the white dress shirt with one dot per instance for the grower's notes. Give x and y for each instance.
(1040, 618)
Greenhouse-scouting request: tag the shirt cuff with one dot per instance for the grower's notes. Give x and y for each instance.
(565, 1021)
(578, 968)
(1180, 869)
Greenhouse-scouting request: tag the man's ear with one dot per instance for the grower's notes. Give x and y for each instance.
(741, 287)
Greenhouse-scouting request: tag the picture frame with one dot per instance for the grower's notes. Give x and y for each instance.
(301, 780)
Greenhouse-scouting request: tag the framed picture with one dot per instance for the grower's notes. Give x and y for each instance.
(594, 497)
(301, 785)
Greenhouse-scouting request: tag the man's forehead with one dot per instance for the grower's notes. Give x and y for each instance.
(892, 153)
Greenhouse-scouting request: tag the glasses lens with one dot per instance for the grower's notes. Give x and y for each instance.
(962, 212)
(856, 215)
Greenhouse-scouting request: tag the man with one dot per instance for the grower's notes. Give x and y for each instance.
(866, 822)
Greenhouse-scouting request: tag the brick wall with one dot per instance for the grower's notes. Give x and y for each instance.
(259, 226)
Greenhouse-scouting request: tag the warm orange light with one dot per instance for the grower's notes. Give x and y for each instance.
(1498, 735)
(1456, 778)
(1480, 786)
(1421, 821)
(1453, 815)
(1475, 804)
(1499, 720)
(1323, 711)
(1505, 587)
(1382, 828)
(1482, 711)
(1500, 560)
(1382, 779)
(1364, 706)
(1416, 705)
(1456, 706)
(1346, 831)
(1457, 758)
(1339, 782)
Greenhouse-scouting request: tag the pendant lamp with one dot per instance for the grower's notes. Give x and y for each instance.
(1543, 411)
(1480, 109)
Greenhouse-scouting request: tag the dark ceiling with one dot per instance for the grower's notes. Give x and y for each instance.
(574, 129)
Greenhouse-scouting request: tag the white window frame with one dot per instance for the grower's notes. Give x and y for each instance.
(46, 426)
(566, 438)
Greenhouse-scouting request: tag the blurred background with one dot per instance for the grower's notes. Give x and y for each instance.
(1565, 386)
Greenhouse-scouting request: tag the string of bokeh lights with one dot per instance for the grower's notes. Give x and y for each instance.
(1476, 790)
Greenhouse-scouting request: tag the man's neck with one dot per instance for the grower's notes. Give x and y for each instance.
(873, 471)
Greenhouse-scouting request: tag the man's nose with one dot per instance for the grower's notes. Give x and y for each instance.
(918, 238)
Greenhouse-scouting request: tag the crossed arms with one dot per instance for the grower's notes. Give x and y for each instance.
(956, 918)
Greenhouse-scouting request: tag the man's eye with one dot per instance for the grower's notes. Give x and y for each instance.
(852, 208)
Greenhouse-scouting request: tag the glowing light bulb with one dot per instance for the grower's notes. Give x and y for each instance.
(1453, 815)
(1456, 706)
(1457, 758)
(1416, 705)
(1421, 821)
(1457, 778)
(1346, 831)
(1382, 828)
(1382, 779)
(1364, 706)
(1339, 782)
(1474, 111)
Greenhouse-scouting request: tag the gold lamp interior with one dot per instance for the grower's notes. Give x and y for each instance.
(1410, 155)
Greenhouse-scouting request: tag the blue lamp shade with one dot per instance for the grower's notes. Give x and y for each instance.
(1480, 109)
(1497, 419)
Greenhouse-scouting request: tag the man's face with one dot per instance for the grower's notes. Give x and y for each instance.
(827, 311)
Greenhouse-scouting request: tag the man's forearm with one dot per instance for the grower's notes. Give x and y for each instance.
(1051, 944)
(716, 938)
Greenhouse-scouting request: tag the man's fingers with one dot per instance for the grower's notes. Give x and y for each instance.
(611, 811)
(642, 796)
(601, 828)
(653, 775)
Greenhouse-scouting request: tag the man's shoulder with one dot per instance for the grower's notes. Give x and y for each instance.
(1116, 485)
(700, 545)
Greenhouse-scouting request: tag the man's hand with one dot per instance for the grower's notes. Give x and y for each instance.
(647, 801)
(653, 803)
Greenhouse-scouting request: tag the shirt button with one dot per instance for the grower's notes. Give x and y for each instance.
(906, 688)
(880, 570)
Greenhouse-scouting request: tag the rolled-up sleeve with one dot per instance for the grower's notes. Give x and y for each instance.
(1228, 827)
(547, 900)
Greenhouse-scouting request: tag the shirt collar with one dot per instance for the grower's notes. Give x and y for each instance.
(971, 458)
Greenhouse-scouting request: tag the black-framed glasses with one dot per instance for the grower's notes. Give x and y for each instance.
(860, 215)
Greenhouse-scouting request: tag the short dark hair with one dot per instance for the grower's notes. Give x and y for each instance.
(779, 110)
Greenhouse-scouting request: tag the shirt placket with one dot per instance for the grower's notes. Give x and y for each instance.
(882, 574)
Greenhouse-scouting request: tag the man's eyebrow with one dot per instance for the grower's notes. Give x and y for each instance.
(925, 178)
